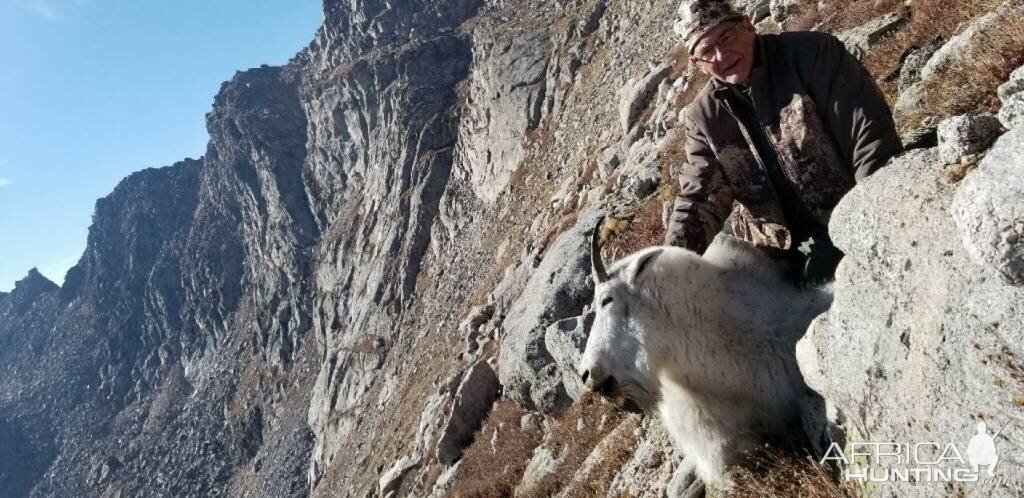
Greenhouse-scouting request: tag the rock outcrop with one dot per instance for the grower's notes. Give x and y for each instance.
(390, 234)
(962, 136)
(559, 288)
(1011, 93)
(968, 45)
(472, 402)
(921, 342)
(860, 39)
(989, 213)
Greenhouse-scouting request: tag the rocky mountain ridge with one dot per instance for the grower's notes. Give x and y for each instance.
(388, 236)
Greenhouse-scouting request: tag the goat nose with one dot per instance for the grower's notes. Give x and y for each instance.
(596, 380)
(592, 377)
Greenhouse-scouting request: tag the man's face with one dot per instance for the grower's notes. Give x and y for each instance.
(727, 52)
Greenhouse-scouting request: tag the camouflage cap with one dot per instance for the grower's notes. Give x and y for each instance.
(697, 17)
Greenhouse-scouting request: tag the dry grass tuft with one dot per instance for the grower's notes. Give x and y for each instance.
(599, 418)
(644, 230)
(698, 79)
(969, 88)
(773, 473)
(617, 449)
(487, 472)
(838, 16)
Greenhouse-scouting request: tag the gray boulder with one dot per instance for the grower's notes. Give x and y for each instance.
(913, 63)
(782, 10)
(391, 480)
(918, 344)
(989, 209)
(1013, 85)
(638, 93)
(644, 183)
(756, 9)
(924, 136)
(542, 464)
(963, 135)
(472, 403)
(685, 483)
(477, 316)
(609, 160)
(559, 288)
(649, 471)
(969, 41)
(859, 40)
(470, 326)
(445, 481)
(566, 340)
(1011, 94)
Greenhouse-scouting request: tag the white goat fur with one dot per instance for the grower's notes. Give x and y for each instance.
(708, 342)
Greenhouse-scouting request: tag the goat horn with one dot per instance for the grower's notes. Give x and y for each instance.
(595, 253)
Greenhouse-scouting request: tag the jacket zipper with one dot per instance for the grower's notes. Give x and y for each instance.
(771, 142)
(753, 149)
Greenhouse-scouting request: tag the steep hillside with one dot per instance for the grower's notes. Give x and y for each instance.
(374, 281)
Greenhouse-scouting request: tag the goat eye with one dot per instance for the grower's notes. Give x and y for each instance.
(605, 301)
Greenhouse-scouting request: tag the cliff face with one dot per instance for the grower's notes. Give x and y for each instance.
(226, 309)
(385, 236)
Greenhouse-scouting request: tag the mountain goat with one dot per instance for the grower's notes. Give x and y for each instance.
(706, 342)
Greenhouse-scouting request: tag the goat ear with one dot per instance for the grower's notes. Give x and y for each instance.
(639, 266)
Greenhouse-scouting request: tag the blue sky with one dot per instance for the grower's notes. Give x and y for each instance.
(92, 90)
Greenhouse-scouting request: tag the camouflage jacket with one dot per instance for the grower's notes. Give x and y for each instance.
(827, 123)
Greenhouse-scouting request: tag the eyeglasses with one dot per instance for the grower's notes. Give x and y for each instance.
(726, 39)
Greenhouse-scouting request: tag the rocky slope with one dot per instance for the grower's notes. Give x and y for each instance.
(388, 236)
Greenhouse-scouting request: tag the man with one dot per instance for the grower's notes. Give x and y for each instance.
(786, 126)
